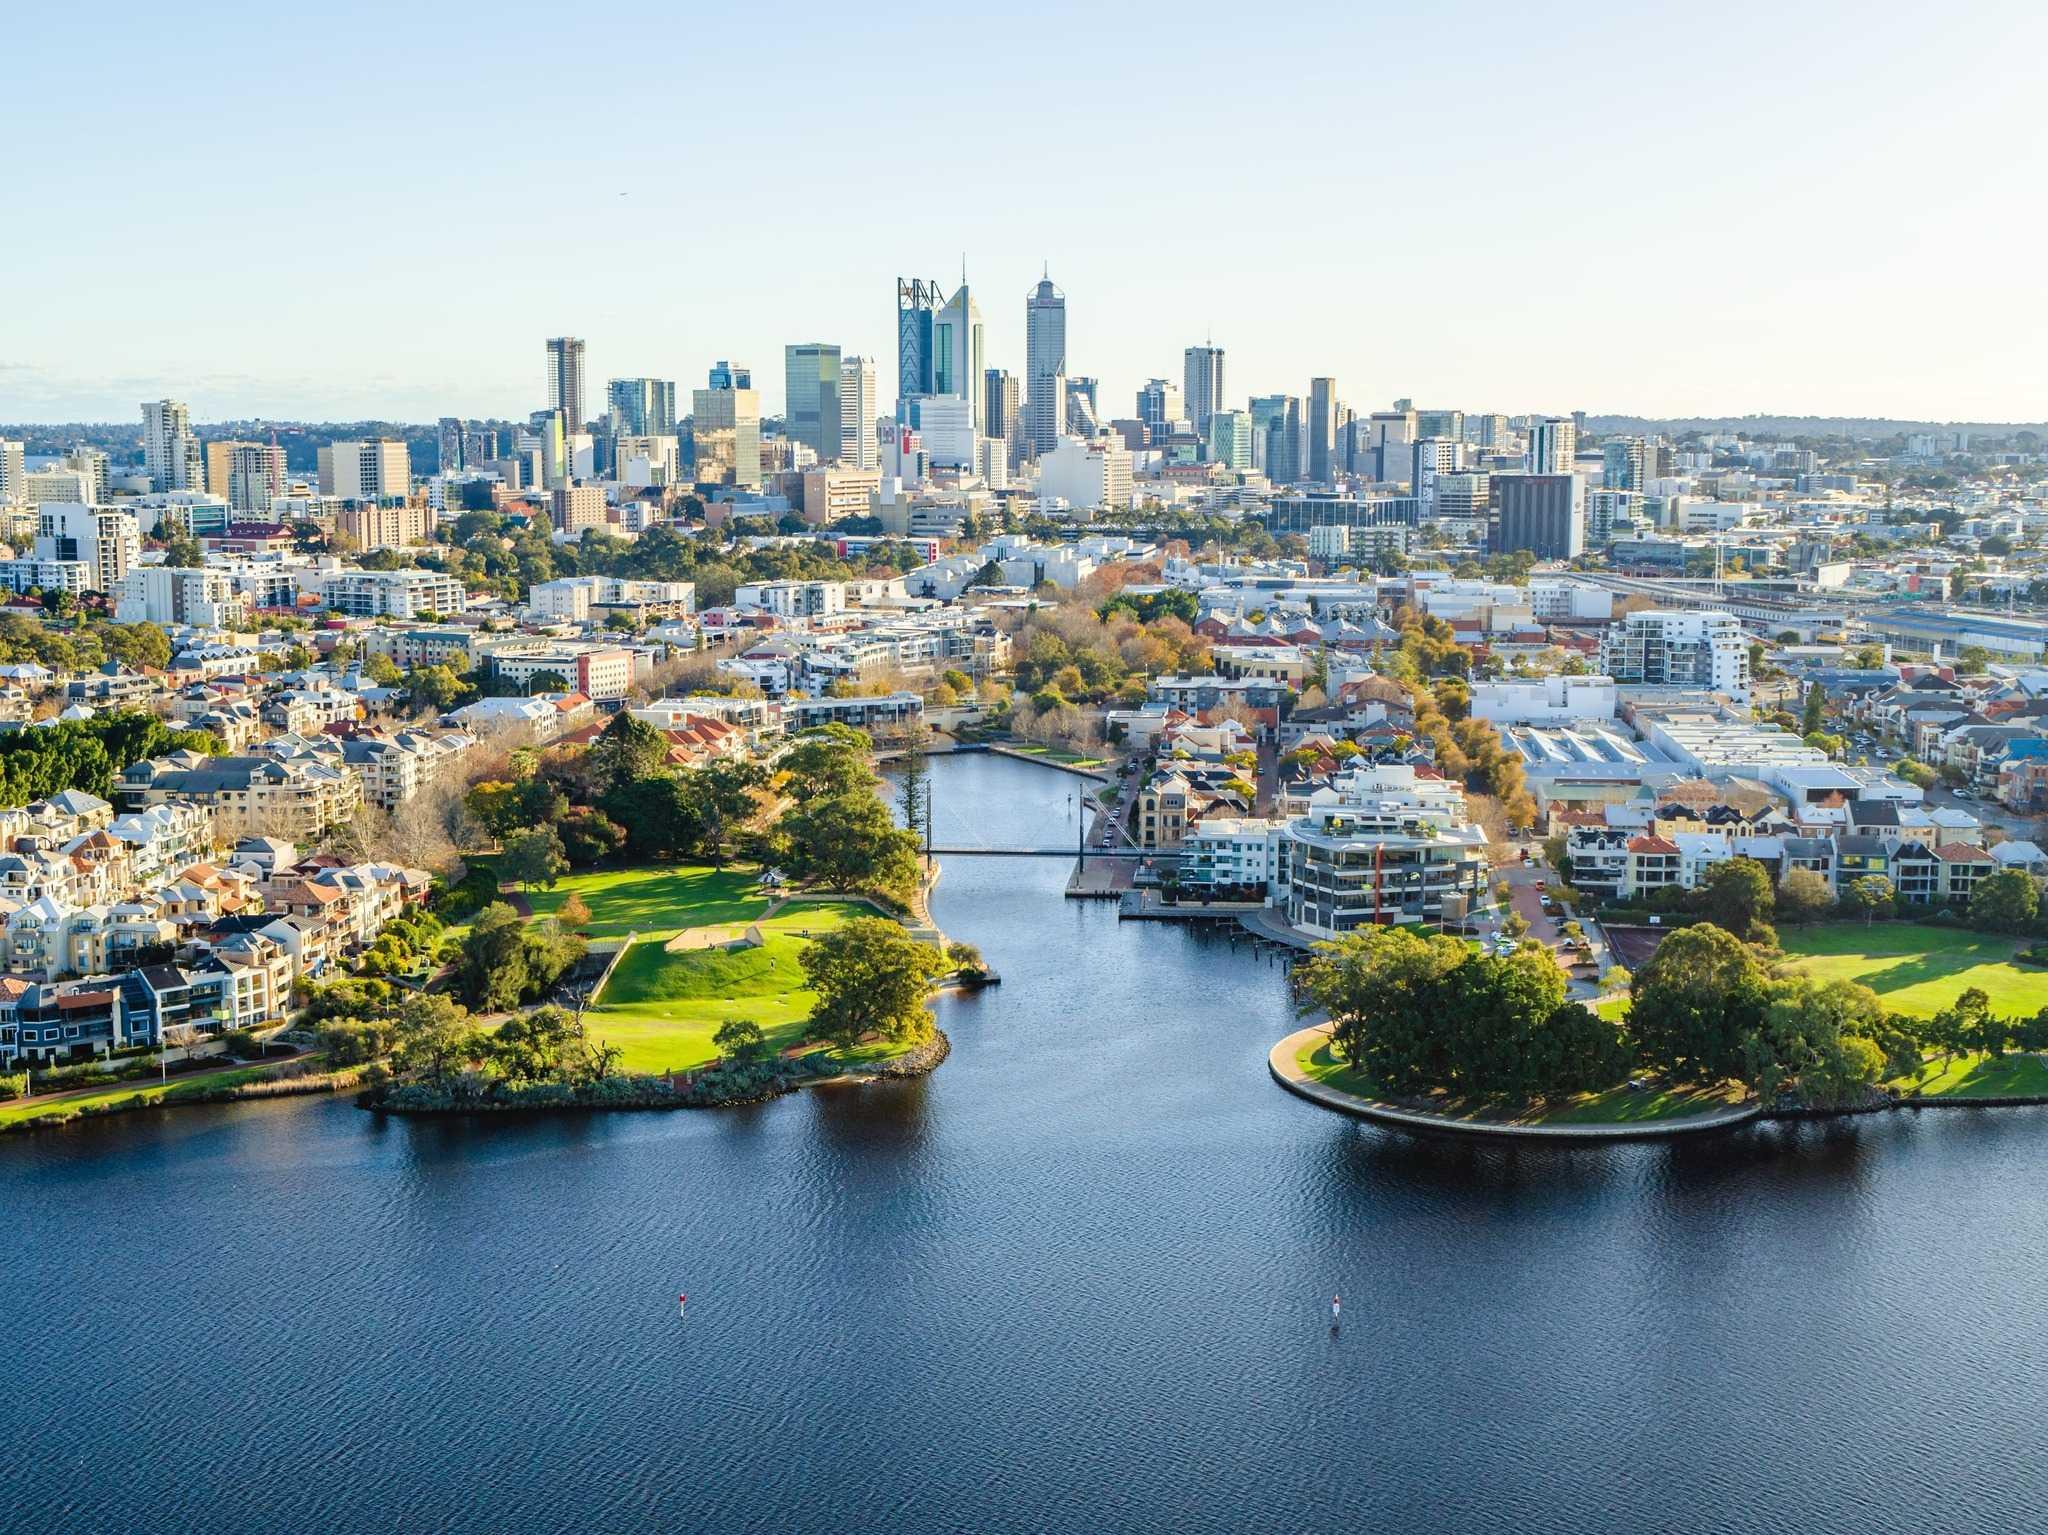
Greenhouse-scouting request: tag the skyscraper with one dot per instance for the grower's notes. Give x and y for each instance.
(454, 444)
(170, 453)
(1159, 404)
(1084, 414)
(811, 402)
(1542, 513)
(1276, 421)
(1002, 410)
(1553, 444)
(641, 407)
(1322, 429)
(1202, 376)
(858, 448)
(956, 351)
(917, 306)
(565, 379)
(13, 472)
(726, 424)
(1230, 438)
(1045, 365)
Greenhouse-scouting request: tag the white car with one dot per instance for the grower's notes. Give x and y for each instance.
(1505, 946)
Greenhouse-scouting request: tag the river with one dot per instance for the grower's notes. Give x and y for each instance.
(1078, 1279)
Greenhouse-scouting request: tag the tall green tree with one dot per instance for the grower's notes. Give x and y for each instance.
(870, 977)
(1694, 1004)
(1736, 894)
(2005, 902)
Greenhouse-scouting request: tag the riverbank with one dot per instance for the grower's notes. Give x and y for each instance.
(1301, 1063)
(713, 1088)
(233, 1084)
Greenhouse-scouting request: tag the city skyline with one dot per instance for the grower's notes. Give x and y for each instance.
(1787, 241)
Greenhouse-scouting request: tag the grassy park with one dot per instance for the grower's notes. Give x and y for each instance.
(1618, 1105)
(661, 1006)
(656, 902)
(1916, 967)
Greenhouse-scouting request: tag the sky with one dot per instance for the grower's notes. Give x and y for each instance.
(305, 213)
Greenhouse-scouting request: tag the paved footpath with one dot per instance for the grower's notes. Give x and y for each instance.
(1283, 1063)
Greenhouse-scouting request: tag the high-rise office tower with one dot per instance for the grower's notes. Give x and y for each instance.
(1230, 438)
(1493, 429)
(1159, 404)
(917, 308)
(1084, 413)
(1202, 381)
(1542, 513)
(1553, 444)
(453, 440)
(1322, 429)
(1045, 365)
(858, 447)
(811, 402)
(641, 407)
(1002, 410)
(170, 453)
(1277, 436)
(565, 379)
(956, 351)
(726, 425)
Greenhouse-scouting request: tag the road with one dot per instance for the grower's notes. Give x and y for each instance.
(1990, 812)
(1527, 902)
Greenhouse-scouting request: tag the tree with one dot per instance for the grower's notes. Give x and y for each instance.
(1869, 894)
(551, 682)
(536, 1046)
(383, 671)
(722, 801)
(1804, 896)
(493, 973)
(573, 913)
(2005, 902)
(589, 836)
(1816, 1036)
(434, 687)
(832, 759)
(1814, 722)
(1693, 1005)
(741, 1042)
(535, 857)
(1736, 894)
(847, 841)
(627, 751)
(870, 977)
(435, 1038)
(657, 814)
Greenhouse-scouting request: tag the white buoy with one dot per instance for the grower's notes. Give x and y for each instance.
(1336, 1309)
(682, 1305)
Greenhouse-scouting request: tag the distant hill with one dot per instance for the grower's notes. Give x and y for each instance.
(1803, 426)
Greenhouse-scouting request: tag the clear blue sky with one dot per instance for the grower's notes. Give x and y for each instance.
(384, 210)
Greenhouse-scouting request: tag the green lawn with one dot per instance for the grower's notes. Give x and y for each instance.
(1918, 968)
(139, 1092)
(662, 1008)
(656, 901)
(1618, 1105)
(1058, 754)
(1979, 1076)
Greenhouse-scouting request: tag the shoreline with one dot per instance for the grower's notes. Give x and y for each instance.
(1281, 1063)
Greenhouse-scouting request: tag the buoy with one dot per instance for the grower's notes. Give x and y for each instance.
(682, 1301)
(1336, 1308)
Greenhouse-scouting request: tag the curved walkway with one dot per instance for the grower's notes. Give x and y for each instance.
(1282, 1062)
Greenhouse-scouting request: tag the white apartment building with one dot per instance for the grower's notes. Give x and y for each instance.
(170, 453)
(366, 470)
(573, 599)
(1704, 650)
(108, 543)
(1545, 701)
(1563, 601)
(61, 486)
(793, 599)
(859, 447)
(388, 593)
(13, 472)
(1087, 475)
(171, 594)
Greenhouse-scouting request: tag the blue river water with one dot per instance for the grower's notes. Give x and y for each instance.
(1078, 1279)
